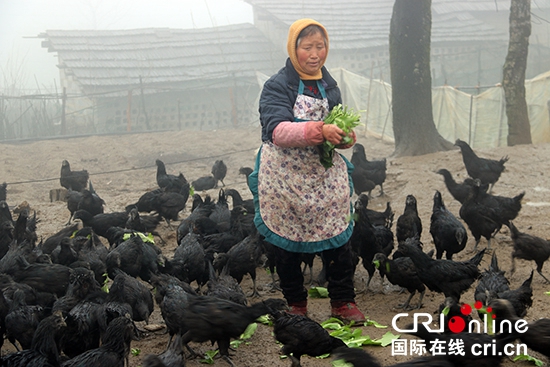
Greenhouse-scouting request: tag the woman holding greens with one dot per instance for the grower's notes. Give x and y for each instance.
(301, 205)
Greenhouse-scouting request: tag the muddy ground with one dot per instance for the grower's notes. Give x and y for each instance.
(122, 168)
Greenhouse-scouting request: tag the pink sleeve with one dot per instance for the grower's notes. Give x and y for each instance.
(298, 134)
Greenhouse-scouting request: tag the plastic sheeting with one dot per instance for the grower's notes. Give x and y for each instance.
(478, 119)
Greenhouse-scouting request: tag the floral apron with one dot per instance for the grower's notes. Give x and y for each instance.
(300, 205)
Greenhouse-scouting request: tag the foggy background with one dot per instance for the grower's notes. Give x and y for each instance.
(22, 20)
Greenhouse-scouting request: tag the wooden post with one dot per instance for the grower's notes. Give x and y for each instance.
(143, 105)
(63, 117)
(129, 112)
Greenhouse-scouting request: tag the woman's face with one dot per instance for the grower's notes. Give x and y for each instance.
(311, 53)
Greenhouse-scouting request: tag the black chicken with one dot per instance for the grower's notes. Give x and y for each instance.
(529, 247)
(245, 171)
(22, 320)
(491, 280)
(43, 351)
(243, 258)
(172, 297)
(358, 357)
(134, 257)
(3, 191)
(452, 278)
(169, 204)
(169, 182)
(375, 170)
(472, 343)
(219, 170)
(459, 191)
(409, 223)
(224, 286)
(145, 203)
(215, 319)
(301, 335)
(189, 263)
(73, 180)
(447, 231)
(144, 223)
(127, 289)
(91, 201)
(52, 278)
(204, 183)
(537, 333)
(73, 198)
(486, 170)
(483, 221)
(100, 223)
(200, 209)
(521, 298)
(403, 273)
(239, 201)
(171, 357)
(364, 239)
(114, 349)
(361, 181)
(65, 254)
(384, 218)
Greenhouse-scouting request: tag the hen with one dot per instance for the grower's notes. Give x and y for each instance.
(365, 242)
(486, 170)
(73, 180)
(384, 218)
(409, 223)
(219, 170)
(171, 357)
(529, 247)
(358, 357)
(301, 335)
(537, 333)
(521, 298)
(215, 319)
(168, 182)
(114, 349)
(22, 320)
(447, 231)
(243, 258)
(491, 280)
(452, 278)
(401, 272)
(126, 289)
(459, 191)
(204, 183)
(483, 221)
(375, 170)
(100, 223)
(43, 351)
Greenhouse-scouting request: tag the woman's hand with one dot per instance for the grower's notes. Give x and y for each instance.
(333, 134)
(351, 141)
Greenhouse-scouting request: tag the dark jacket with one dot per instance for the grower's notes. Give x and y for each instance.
(279, 94)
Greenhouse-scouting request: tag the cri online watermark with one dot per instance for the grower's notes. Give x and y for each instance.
(456, 324)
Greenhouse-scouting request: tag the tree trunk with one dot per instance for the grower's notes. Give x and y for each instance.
(513, 76)
(413, 126)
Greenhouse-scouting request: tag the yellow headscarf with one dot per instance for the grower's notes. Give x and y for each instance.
(293, 33)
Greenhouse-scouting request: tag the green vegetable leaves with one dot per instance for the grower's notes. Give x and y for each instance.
(318, 292)
(527, 357)
(346, 119)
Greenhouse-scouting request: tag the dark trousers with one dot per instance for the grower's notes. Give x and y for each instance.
(340, 269)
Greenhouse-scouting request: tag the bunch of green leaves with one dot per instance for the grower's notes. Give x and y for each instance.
(346, 119)
(353, 337)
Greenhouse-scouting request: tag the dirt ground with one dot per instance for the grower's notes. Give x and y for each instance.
(122, 168)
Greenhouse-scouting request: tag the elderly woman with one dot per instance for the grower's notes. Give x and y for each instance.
(302, 207)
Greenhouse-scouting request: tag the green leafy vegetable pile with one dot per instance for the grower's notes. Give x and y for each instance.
(346, 119)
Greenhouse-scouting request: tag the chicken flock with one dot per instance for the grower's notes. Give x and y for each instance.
(82, 295)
